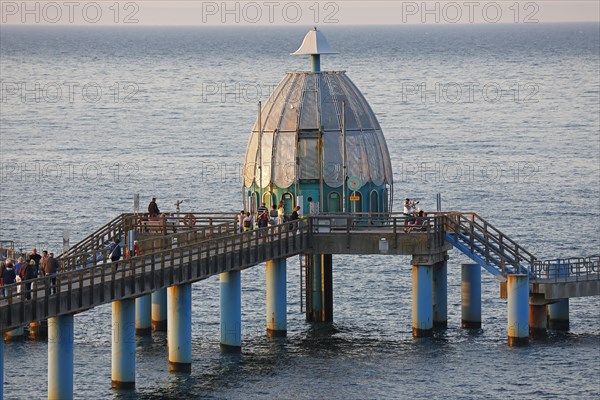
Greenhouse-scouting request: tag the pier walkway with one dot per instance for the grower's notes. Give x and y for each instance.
(174, 254)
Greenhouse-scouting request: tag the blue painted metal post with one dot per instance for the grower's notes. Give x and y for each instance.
(276, 298)
(315, 62)
(558, 312)
(123, 344)
(422, 300)
(471, 296)
(179, 327)
(231, 311)
(143, 315)
(440, 292)
(60, 357)
(159, 310)
(558, 315)
(518, 308)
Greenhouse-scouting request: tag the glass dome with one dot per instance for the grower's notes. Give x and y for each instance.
(300, 135)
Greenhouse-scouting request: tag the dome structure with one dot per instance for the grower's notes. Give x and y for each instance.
(318, 140)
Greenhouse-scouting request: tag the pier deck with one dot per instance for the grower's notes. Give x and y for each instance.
(214, 246)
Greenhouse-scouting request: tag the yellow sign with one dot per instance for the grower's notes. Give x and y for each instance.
(354, 198)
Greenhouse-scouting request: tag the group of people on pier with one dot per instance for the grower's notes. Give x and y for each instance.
(265, 217)
(32, 266)
(415, 218)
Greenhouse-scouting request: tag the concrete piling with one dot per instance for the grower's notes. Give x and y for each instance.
(231, 311)
(143, 315)
(422, 300)
(60, 357)
(179, 327)
(518, 309)
(123, 344)
(276, 288)
(470, 296)
(440, 295)
(159, 310)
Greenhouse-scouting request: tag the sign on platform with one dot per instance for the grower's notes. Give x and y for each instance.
(354, 198)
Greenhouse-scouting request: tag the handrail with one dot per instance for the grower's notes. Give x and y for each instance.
(188, 235)
(249, 246)
(116, 227)
(91, 241)
(493, 245)
(568, 269)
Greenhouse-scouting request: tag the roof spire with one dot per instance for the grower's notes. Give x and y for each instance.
(314, 44)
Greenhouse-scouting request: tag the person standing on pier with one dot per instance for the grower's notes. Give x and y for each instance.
(273, 215)
(280, 213)
(44, 262)
(50, 269)
(153, 209)
(261, 210)
(295, 216)
(8, 275)
(247, 222)
(36, 258)
(27, 273)
(115, 253)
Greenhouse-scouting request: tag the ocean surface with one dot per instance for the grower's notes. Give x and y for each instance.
(503, 120)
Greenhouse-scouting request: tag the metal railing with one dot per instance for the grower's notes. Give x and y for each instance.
(95, 248)
(7, 249)
(164, 224)
(80, 289)
(568, 269)
(98, 238)
(396, 223)
(489, 243)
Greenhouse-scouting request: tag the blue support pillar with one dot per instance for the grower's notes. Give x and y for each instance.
(231, 311)
(558, 315)
(538, 316)
(315, 62)
(440, 293)
(159, 310)
(276, 298)
(60, 357)
(518, 309)
(319, 288)
(179, 327)
(471, 296)
(558, 312)
(143, 315)
(422, 300)
(123, 344)
(314, 309)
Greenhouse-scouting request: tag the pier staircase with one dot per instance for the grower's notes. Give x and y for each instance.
(487, 246)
